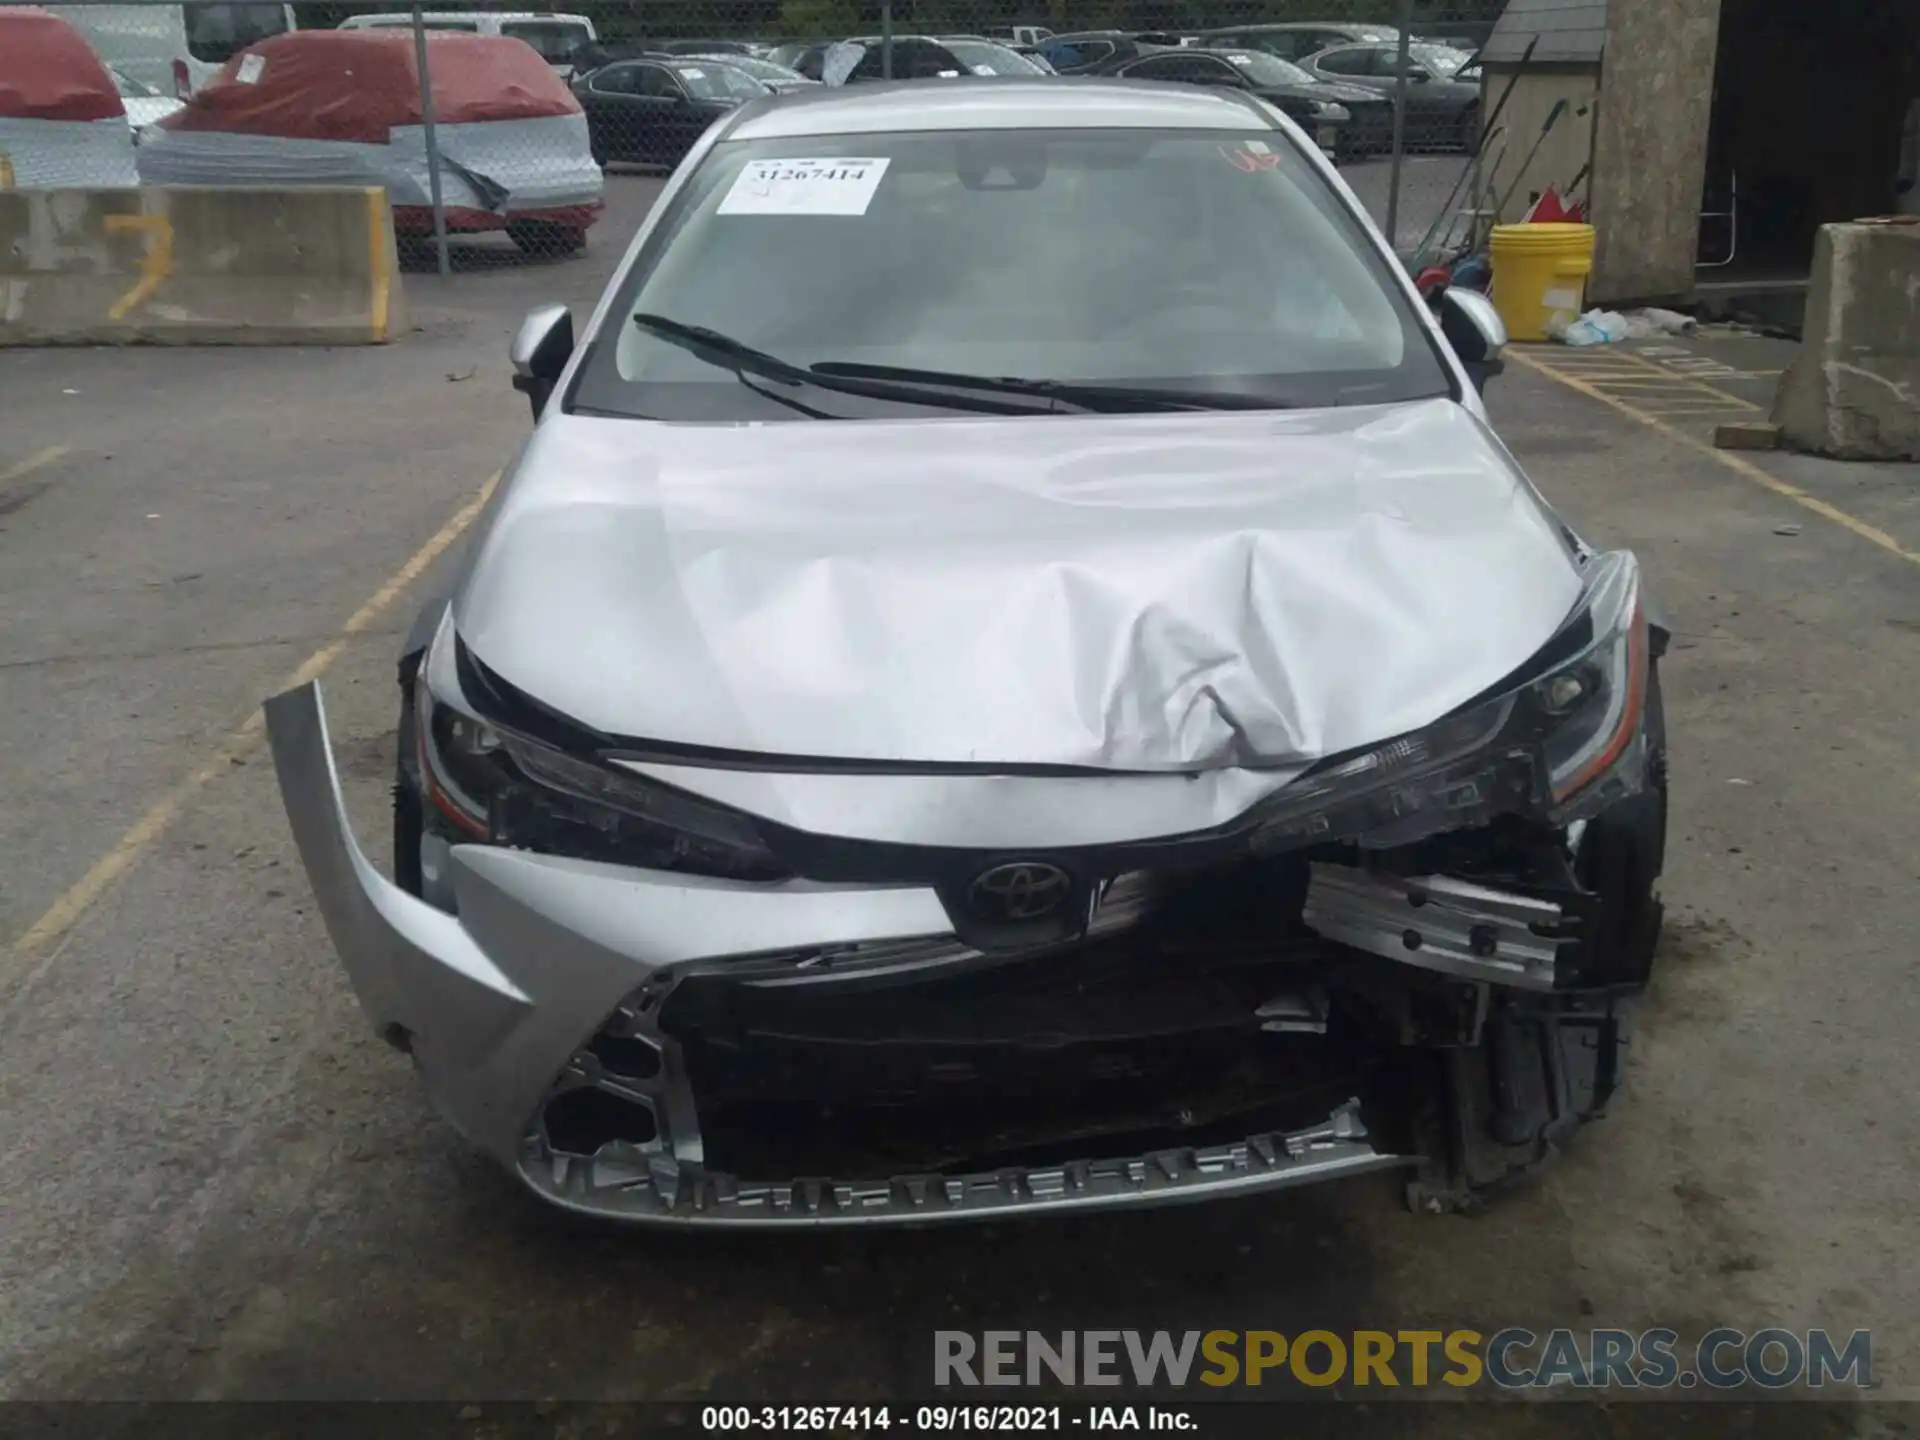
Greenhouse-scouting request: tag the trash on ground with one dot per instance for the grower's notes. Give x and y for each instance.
(1607, 327)
(1786, 529)
(1596, 327)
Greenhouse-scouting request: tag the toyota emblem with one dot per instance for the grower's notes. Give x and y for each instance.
(1020, 890)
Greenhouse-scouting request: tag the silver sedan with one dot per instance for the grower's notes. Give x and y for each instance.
(1011, 675)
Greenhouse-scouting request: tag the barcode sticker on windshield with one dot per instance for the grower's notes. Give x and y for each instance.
(805, 187)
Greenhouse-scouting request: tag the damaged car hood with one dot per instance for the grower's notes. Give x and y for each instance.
(1143, 593)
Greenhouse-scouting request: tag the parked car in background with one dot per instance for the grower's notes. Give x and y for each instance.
(777, 78)
(62, 121)
(709, 47)
(862, 58)
(557, 39)
(342, 107)
(1034, 53)
(145, 104)
(1019, 34)
(1322, 110)
(1085, 51)
(1295, 40)
(988, 57)
(1443, 88)
(651, 111)
(174, 48)
(788, 52)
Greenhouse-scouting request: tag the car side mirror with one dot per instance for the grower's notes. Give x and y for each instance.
(1475, 331)
(540, 351)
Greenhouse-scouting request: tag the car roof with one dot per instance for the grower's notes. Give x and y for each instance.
(1351, 27)
(999, 103)
(428, 17)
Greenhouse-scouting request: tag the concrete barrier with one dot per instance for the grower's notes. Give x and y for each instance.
(191, 266)
(1854, 390)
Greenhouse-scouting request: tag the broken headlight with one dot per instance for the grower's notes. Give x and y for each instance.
(496, 786)
(1558, 740)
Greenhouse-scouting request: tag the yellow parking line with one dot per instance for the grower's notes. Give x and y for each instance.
(1734, 462)
(1693, 380)
(39, 460)
(1696, 412)
(61, 916)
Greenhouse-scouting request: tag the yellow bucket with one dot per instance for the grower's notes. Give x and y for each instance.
(1539, 274)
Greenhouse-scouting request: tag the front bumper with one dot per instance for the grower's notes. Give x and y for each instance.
(500, 1005)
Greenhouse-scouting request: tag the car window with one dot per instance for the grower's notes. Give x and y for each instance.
(656, 82)
(1440, 59)
(617, 80)
(555, 42)
(1211, 70)
(1264, 69)
(913, 59)
(1153, 67)
(712, 80)
(1350, 61)
(216, 33)
(1072, 54)
(1202, 260)
(985, 59)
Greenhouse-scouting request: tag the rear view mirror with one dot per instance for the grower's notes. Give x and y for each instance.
(1475, 330)
(540, 351)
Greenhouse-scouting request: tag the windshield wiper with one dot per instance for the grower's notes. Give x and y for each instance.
(1079, 395)
(924, 387)
(731, 354)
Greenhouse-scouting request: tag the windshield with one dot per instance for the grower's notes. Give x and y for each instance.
(983, 57)
(712, 80)
(1440, 59)
(1179, 260)
(1264, 69)
(759, 69)
(554, 42)
(217, 33)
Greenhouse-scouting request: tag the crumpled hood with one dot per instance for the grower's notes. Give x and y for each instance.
(1162, 592)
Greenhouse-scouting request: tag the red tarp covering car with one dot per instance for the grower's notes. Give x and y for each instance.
(62, 125)
(359, 84)
(48, 72)
(343, 107)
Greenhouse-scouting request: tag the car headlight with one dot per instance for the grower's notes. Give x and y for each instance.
(1590, 705)
(1330, 110)
(496, 786)
(1557, 741)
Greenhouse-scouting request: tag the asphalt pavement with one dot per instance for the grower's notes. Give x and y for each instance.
(219, 1184)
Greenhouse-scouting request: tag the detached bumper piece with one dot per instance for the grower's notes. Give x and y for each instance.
(1452, 926)
(646, 1184)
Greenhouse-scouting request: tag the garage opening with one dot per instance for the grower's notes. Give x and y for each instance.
(1810, 101)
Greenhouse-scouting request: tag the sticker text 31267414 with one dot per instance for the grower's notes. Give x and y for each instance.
(829, 186)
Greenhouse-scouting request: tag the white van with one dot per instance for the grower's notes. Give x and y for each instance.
(555, 37)
(174, 48)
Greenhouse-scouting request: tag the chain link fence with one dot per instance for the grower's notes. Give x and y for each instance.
(506, 135)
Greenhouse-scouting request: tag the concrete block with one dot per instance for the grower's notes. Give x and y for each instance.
(1746, 435)
(205, 266)
(1854, 390)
